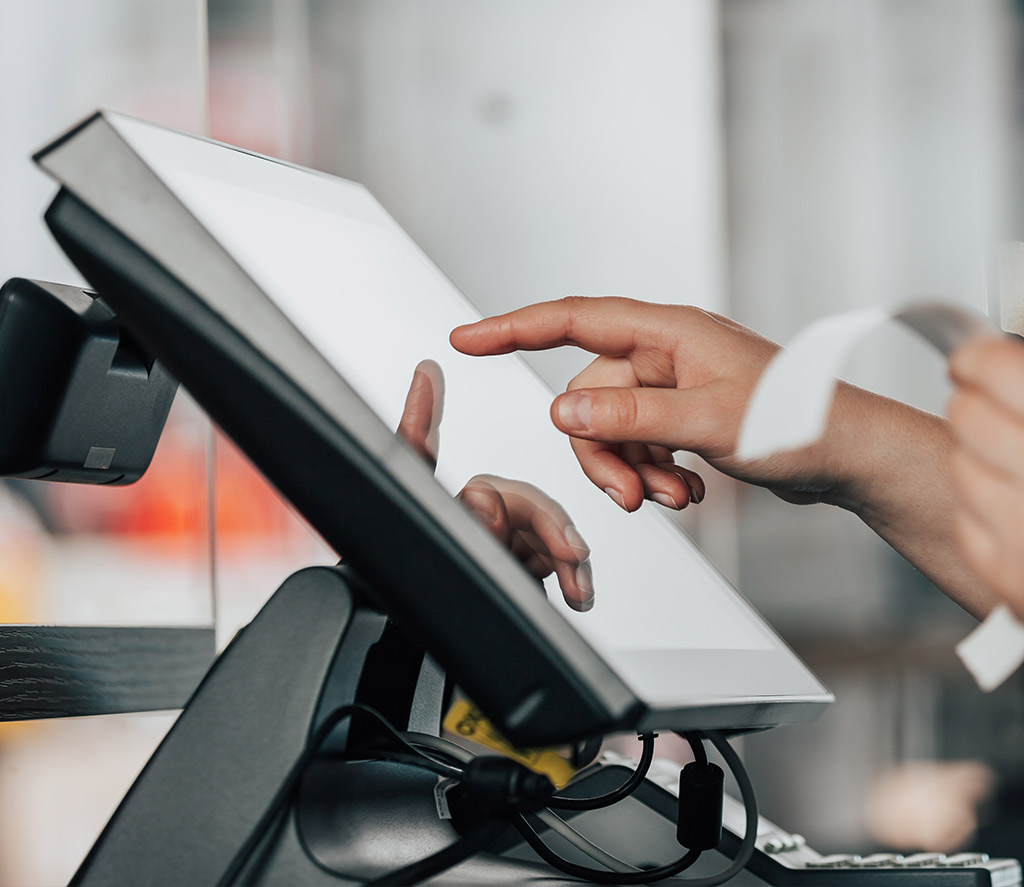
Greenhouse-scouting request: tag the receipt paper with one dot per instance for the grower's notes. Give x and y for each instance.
(790, 406)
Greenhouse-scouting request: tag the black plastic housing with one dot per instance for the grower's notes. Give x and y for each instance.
(80, 400)
(701, 791)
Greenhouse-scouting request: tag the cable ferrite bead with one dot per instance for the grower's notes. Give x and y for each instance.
(701, 788)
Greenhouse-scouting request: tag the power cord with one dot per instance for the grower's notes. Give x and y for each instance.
(470, 843)
(669, 870)
(693, 739)
(312, 747)
(565, 831)
(620, 871)
(640, 876)
(487, 784)
(746, 848)
(423, 762)
(560, 802)
(490, 792)
(495, 789)
(454, 753)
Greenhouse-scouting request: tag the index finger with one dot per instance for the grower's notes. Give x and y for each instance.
(602, 325)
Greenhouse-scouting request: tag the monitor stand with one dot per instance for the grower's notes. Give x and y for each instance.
(315, 646)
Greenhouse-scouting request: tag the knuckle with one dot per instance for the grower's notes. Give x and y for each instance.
(621, 413)
(574, 306)
(506, 331)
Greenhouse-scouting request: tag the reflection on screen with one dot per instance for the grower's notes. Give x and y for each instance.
(374, 305)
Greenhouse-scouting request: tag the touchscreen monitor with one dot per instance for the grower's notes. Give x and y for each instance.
(296, 309)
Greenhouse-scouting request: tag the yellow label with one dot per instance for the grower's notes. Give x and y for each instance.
(466, 720)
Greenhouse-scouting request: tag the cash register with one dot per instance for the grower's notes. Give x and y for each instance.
(295, 310)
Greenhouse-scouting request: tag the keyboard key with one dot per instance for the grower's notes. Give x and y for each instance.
(916, 859)
(833, 861)
(876, 860)
(964, 859)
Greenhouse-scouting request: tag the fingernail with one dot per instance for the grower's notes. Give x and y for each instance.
(576, 543)
(666, 500)
(585, 582)
(574, 411)
(694, 495)
(616, 497)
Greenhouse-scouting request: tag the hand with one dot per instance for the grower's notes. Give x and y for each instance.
(673, 378)
(928, 805)
(534, 527)
(986, 413)
(666, 378)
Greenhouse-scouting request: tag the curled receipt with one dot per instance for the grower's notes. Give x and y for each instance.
(790, 406)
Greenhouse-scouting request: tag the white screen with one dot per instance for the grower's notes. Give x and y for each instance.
(374, 305)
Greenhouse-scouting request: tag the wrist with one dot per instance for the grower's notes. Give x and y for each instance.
(877, 450)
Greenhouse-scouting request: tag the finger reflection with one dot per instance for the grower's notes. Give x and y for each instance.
(541, 534)
(420, 424)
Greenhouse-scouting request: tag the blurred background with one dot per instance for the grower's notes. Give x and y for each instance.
(773, 160)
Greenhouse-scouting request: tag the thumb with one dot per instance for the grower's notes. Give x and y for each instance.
(696, 419)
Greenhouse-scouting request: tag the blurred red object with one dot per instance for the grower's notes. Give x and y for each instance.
(170, 504)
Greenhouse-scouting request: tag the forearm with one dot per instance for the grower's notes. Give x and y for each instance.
(891, 462)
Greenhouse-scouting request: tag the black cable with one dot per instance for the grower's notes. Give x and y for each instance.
(442, 750)
(746, 848)
(646, 876)
(643, 876)
(693, 738)
(389, 728)
(466, 846)
(559, 802)
(423, 761)
(284, 791)
(479, 837)
(445, 858)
